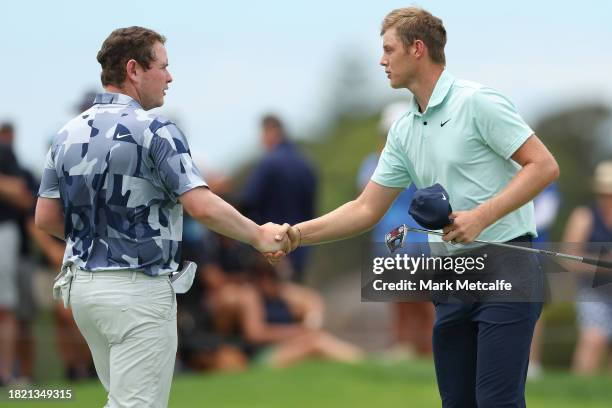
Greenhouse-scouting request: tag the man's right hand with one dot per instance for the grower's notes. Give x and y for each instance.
(273, 239)
(293, 237)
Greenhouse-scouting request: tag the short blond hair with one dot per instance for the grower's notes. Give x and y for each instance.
(414, 23)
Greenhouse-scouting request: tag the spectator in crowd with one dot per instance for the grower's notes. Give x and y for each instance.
(26, 303)
(592, 224)
(283, 322)
(14, 200)
(412, 321)
(282, 186)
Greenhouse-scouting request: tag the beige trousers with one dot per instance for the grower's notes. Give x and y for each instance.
(129, 322)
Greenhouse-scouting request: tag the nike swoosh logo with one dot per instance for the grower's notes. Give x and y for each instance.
(443, 196)
(122, 136)
(444, 123)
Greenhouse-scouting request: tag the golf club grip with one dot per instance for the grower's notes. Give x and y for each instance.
(598, 262)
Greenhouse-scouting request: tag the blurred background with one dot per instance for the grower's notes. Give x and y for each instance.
(260, 85)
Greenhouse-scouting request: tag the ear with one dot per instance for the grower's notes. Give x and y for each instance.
(419, 48)
(132, 69)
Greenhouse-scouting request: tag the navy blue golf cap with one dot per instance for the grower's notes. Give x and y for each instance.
(430, 207)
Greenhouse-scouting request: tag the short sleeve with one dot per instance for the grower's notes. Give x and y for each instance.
(49, 184)
(170, 154)
(391, 170)
(498, 122)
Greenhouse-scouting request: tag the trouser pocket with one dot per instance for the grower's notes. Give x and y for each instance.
(161, 299)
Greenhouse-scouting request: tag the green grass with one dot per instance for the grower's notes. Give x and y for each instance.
(335, 385)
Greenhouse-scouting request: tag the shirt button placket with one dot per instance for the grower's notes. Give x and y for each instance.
(424, 126)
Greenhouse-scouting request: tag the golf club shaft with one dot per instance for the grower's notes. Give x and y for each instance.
(590, 261)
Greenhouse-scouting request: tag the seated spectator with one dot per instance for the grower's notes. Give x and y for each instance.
(282, 321)
(240, 309)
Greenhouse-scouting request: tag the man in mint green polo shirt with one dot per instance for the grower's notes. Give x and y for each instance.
(470, 139)
(464, 140)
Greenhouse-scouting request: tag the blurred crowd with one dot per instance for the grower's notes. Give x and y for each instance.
(241, 310)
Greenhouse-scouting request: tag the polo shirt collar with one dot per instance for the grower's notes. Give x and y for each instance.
(443, 86)
(115, 98)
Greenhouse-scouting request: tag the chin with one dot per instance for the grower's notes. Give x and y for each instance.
(157, 103)
(398, 85)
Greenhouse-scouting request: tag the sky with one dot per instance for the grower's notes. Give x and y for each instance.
(233, 61)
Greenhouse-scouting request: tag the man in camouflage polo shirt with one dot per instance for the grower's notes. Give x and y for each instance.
(114, 187)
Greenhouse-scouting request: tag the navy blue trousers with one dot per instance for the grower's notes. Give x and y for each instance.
(481, 353)
(481, 348)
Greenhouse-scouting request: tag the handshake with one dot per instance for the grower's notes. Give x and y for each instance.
(276, 241)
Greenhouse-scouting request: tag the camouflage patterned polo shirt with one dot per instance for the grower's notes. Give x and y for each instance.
(119, 171)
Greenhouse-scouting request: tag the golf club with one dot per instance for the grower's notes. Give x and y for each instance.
(395, 240)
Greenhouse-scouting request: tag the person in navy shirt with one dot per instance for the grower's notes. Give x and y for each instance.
(282, 186)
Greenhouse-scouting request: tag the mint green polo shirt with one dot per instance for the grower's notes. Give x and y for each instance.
(464, 141)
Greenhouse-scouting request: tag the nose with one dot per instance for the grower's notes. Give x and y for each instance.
(169, 79)
(383, 61)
